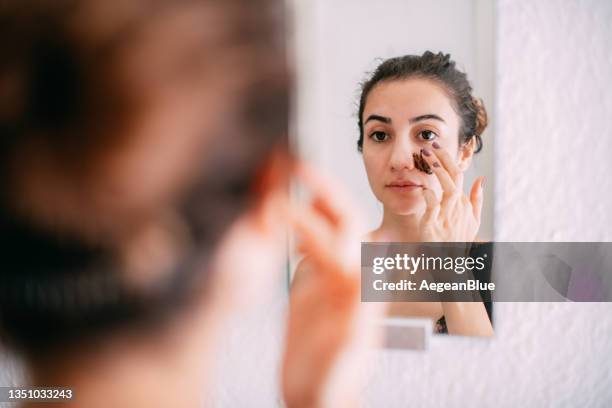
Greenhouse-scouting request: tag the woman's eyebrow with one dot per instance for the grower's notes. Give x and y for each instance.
(425, 117)
(383, 119)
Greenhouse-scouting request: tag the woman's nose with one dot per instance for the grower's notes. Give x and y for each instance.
(401, 156)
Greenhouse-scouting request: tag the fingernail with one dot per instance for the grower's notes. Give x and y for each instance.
(426, 152)
(436, 164)
(435, 145)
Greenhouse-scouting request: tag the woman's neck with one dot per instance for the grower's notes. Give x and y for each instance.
(397, 228)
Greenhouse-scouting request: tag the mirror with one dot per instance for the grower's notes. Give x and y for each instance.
(337, 47)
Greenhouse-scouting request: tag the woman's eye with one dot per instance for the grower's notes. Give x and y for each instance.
(379, 136)
(427, 135)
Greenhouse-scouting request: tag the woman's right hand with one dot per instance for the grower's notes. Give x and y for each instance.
(329, 329)
(454, 217)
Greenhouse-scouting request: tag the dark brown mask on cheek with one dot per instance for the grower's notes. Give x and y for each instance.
(420, 163)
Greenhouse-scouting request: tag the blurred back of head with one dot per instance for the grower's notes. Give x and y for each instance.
(131, 136)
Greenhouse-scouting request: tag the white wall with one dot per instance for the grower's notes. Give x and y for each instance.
(552, 169)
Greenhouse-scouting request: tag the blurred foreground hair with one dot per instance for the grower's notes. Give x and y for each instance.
(75, 80)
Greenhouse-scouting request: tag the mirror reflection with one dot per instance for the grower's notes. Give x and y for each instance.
(402, 123)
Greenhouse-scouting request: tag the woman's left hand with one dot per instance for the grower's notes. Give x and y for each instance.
(454, 218)
(330, 330)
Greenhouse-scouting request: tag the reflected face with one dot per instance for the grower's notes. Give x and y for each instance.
(400, 118)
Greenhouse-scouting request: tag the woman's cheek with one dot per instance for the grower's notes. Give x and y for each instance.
(371, 172)
(379, 182)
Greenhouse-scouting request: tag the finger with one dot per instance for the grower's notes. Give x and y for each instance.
(452, 203)
(342, 216)
(319, 241)
(449, 189)
(441, 173)
(447, 161)
(328, 210)
(459, 182)
(433, 208)
(313, 231)
(477, 197)
(327, 196)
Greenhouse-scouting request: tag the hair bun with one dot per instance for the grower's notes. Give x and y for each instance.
(481, 117)
(438, 59)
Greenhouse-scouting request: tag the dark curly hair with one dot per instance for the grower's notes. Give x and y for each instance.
(441, 69)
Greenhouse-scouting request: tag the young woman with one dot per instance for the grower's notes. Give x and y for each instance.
(419, 127)
(144, 171)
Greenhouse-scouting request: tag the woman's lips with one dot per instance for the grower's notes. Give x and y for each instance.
(400, 186)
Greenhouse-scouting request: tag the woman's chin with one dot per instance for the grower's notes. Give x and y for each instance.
(415, 207)
(407, 210)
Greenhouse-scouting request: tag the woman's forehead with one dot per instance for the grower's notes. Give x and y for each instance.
(409, 98)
